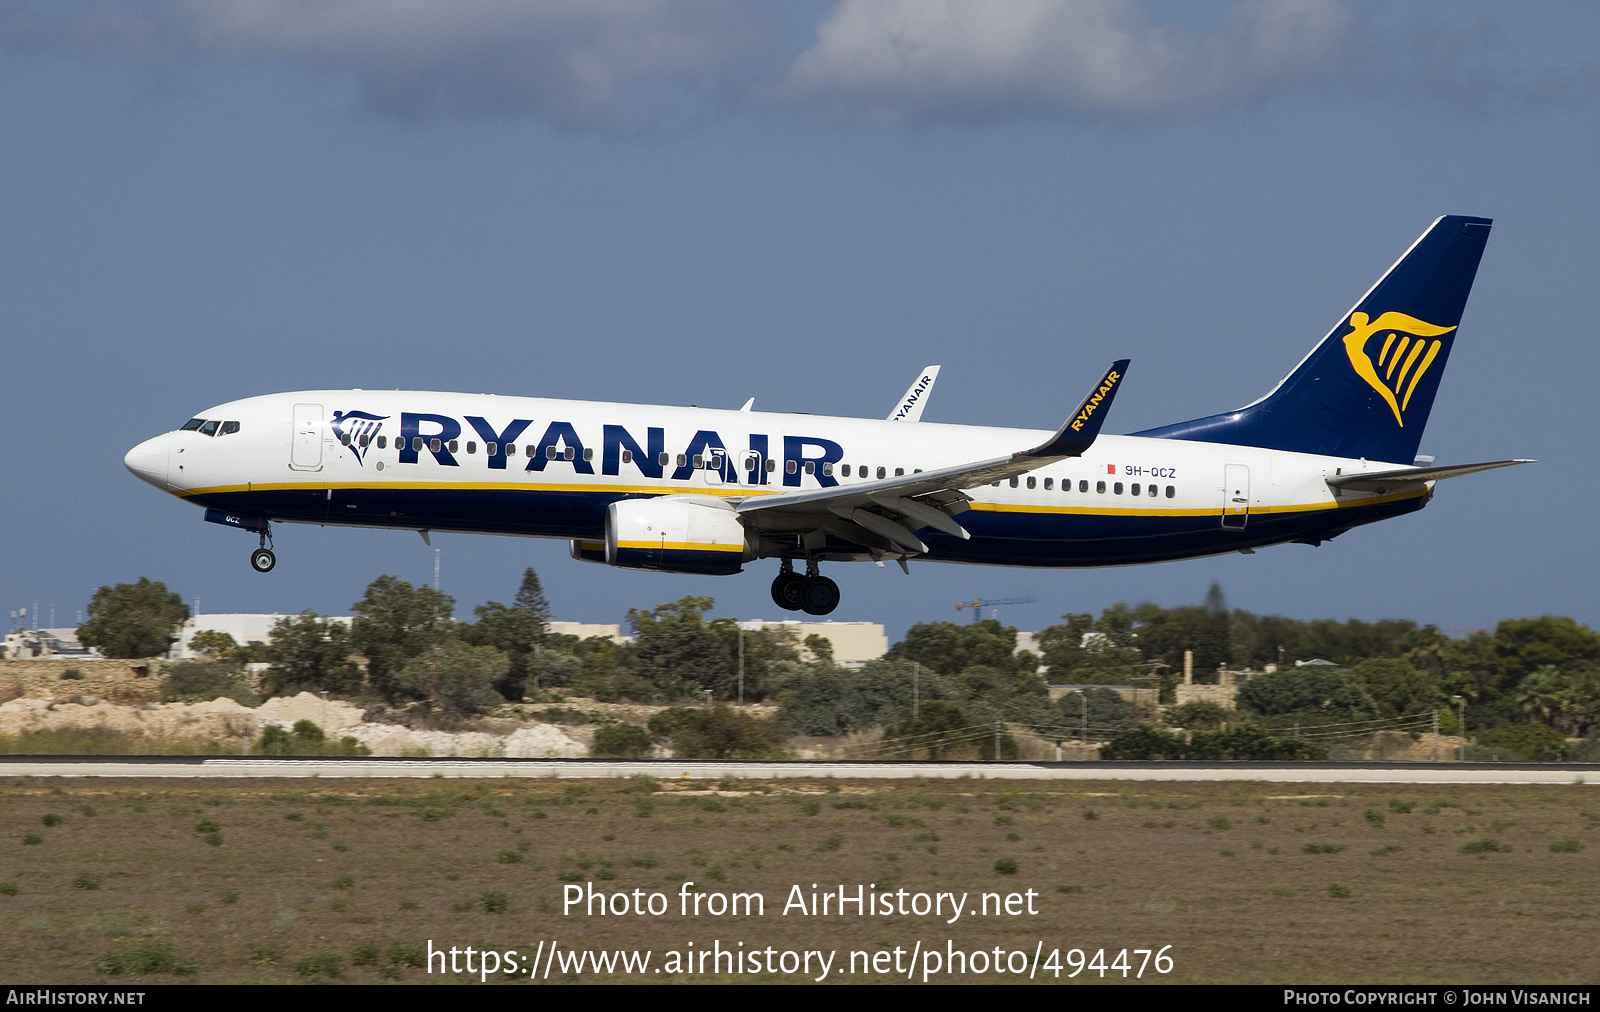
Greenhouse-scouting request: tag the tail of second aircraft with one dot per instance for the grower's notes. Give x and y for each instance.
(1367, 388)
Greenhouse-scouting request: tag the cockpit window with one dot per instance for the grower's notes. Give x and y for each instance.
(209, 428)
(229, 428)
(192, 424)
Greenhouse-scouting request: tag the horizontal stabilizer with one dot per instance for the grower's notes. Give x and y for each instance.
(1391, 481)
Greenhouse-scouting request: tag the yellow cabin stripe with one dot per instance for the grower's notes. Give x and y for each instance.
(678, 546)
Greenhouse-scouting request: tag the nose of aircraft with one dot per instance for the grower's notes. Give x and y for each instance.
(148, 460)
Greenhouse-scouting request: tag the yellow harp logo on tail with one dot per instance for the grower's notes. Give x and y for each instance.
(1401, 362)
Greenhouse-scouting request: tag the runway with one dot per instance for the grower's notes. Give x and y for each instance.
(374, 768)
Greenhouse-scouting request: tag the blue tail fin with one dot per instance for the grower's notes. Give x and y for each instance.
(1367, 388)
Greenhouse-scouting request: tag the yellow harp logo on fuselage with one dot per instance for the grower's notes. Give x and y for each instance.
(1402, 360)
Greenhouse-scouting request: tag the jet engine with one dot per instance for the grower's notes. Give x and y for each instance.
(675, 534)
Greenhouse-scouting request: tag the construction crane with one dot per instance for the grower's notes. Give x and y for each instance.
(977, 605)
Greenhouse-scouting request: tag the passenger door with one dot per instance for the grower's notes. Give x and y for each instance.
(305, 452)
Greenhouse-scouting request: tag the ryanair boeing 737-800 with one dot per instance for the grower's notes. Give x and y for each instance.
(696, 490)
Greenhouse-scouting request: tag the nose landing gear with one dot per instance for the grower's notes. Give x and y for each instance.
(262, 560)
(812, 593)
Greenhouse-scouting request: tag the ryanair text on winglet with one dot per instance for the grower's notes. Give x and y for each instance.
(1094, 400)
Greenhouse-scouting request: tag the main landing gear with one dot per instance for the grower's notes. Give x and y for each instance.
(812, 593)
(262, 560)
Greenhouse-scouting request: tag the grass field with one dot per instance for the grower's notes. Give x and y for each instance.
(275, 881)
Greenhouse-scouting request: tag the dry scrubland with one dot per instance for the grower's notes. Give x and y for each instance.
(275, 882)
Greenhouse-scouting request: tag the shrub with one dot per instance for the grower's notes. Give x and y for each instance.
(620, 741)
(641, 783)
(406, 954)
(718, 733)
(365, 954)
(1374, 816)
(1006, 866)
(202, 681)
(1241, 742)
(320, 964)
(509, 857)
(1322, 848)
(1487, 845)
(86, 881)
(206, 826)
(1524, 742)
(308, 731)
(1219, 822)
(495, 902)
(1197, 716)
(265, 955)
(1338, 891)
(10, 888)
(72, 674)
(152, 956)
(1565, 845)
(51, 819)
(30, 839)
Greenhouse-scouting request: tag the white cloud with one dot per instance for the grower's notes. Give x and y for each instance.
(574, 62)
(987, 60)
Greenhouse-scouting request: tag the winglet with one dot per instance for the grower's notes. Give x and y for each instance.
(1079, 431)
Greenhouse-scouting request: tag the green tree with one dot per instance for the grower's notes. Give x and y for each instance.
(211, 644)
(948, 648)
(1399, 688)
(822, 700)
(530, 598)
(310, 654)
(134, 619)
(515, 632)
(461, 677)
(395, 622)
(942, 729)
(1103, 710)
(1568, 701)
(1313, 691)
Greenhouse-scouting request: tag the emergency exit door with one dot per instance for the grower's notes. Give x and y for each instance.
(305, 452)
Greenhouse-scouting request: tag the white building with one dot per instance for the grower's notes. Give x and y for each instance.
(245, 629)
(589, 630)
(854, 643)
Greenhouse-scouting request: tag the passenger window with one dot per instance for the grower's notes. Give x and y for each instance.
(790, 467)
(1100, 487)
(1135, 488)
(569, 453)
(229, 428)
(366, 441)
(549, 453)
(811, 467)
(1171, 491)
(899, 472)
(588, 453)
(1048, 482)
(434, 445)
(772, 465)
(1117, 488)
(881, 472)
(192, 424)
(472, 447)
(1032, 482)
(827, 468)
(383, 442)
(682, 460)
(416, 444)
(491, 449)
(1013, 483)
(845, 470)
(344, 439)
(1151, 491)
(1083, 486)
(699, 462)
(627, 456)
(209, 428)
(454, 445)
(662, 459)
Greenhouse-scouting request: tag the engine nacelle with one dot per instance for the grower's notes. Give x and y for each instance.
(701, 534)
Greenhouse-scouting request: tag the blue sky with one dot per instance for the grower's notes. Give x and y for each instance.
(699, 202)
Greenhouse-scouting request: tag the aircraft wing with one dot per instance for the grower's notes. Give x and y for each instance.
(1409, 477)
(885, 513)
